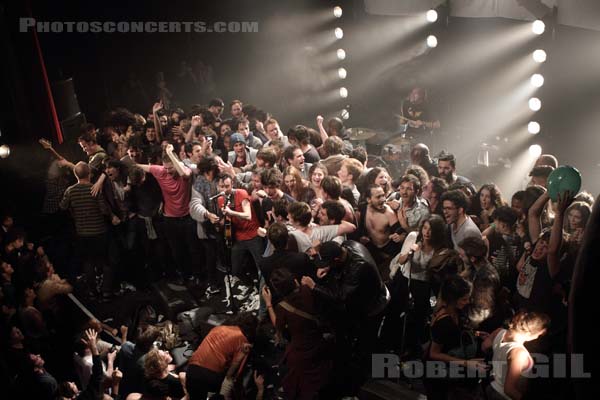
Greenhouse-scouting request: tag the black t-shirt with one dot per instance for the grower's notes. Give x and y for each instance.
(311, 155)
(417, 112)
(446, 333)
(534, 286)
(146, 198)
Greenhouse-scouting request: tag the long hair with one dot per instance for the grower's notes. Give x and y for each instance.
(585, 211)
(495, 197)
(438, 231)
(299, 187)
(369, 180)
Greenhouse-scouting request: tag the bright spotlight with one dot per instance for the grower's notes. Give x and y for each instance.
(337, 11)
(432, 41)
(432, 15)
(537, 80)
(535, 104)
(4, 151)
(339, 33)
(345, 114)
(533, 127)
(535, 150)
(343, 92)
(539, 56)
(342, 73)
(538, 27)
(341, 54)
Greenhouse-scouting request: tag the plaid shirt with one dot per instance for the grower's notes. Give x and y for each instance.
(207, 189)
(417, 213)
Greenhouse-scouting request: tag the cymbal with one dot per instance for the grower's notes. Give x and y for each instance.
(360, 133)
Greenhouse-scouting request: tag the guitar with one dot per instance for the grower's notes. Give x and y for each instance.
(46, 144)
(413, 123)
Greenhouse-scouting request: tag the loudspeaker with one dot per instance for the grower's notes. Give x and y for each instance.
(65, 99)
(387, 390)
(71, 128)
(171, 299)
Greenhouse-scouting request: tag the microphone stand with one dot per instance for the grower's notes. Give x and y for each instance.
(410, 306)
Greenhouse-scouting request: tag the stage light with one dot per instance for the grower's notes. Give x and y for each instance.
(535, 150)
(343, 92)
(339, 33)
(342, 73)
(537, 80)
(4, 151)
(535, 104)
(533, 127)
(538, 27)
(539, 56)
(337, 11)
(345, 114)
(341, 54)
(432, 15)
(432, 41)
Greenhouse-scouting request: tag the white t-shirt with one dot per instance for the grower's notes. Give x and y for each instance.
(323, 234)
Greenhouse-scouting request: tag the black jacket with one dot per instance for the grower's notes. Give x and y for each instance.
(357, 284)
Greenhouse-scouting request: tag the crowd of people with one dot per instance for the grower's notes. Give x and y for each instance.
(347, 260)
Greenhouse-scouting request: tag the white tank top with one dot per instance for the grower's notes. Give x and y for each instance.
(500, 361)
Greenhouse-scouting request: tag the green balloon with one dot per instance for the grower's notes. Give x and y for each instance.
(562, 179)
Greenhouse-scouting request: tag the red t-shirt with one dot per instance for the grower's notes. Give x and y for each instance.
(242, 229)
(176, 192)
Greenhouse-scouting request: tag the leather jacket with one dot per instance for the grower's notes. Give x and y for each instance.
(356, 285)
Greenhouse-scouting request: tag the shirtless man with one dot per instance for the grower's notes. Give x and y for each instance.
(384, 235)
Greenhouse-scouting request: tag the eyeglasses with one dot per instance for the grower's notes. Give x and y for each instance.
(448, 208)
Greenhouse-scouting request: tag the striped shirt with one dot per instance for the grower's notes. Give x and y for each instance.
(87, 211)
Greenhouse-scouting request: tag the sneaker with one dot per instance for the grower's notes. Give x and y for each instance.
(212, 289)
(243, 290)
(127, 287)
(234, 280)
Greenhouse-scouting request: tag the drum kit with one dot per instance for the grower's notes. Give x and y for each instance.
(390, 151)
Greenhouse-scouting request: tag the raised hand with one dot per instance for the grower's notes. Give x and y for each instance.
(157, 107)
(320, 120)
(564, 201)
(90, 340)
(266, 295)
(196, 120)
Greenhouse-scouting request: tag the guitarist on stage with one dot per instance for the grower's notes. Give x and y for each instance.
(417, 116)
(235, 205)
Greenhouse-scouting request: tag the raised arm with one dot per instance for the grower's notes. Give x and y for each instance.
(196, 122)
(556, 235)
(178, 165)
(155, 108)
(322, 130)
(533, 216)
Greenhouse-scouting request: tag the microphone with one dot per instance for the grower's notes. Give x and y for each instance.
(411, 253)
(216, 196)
